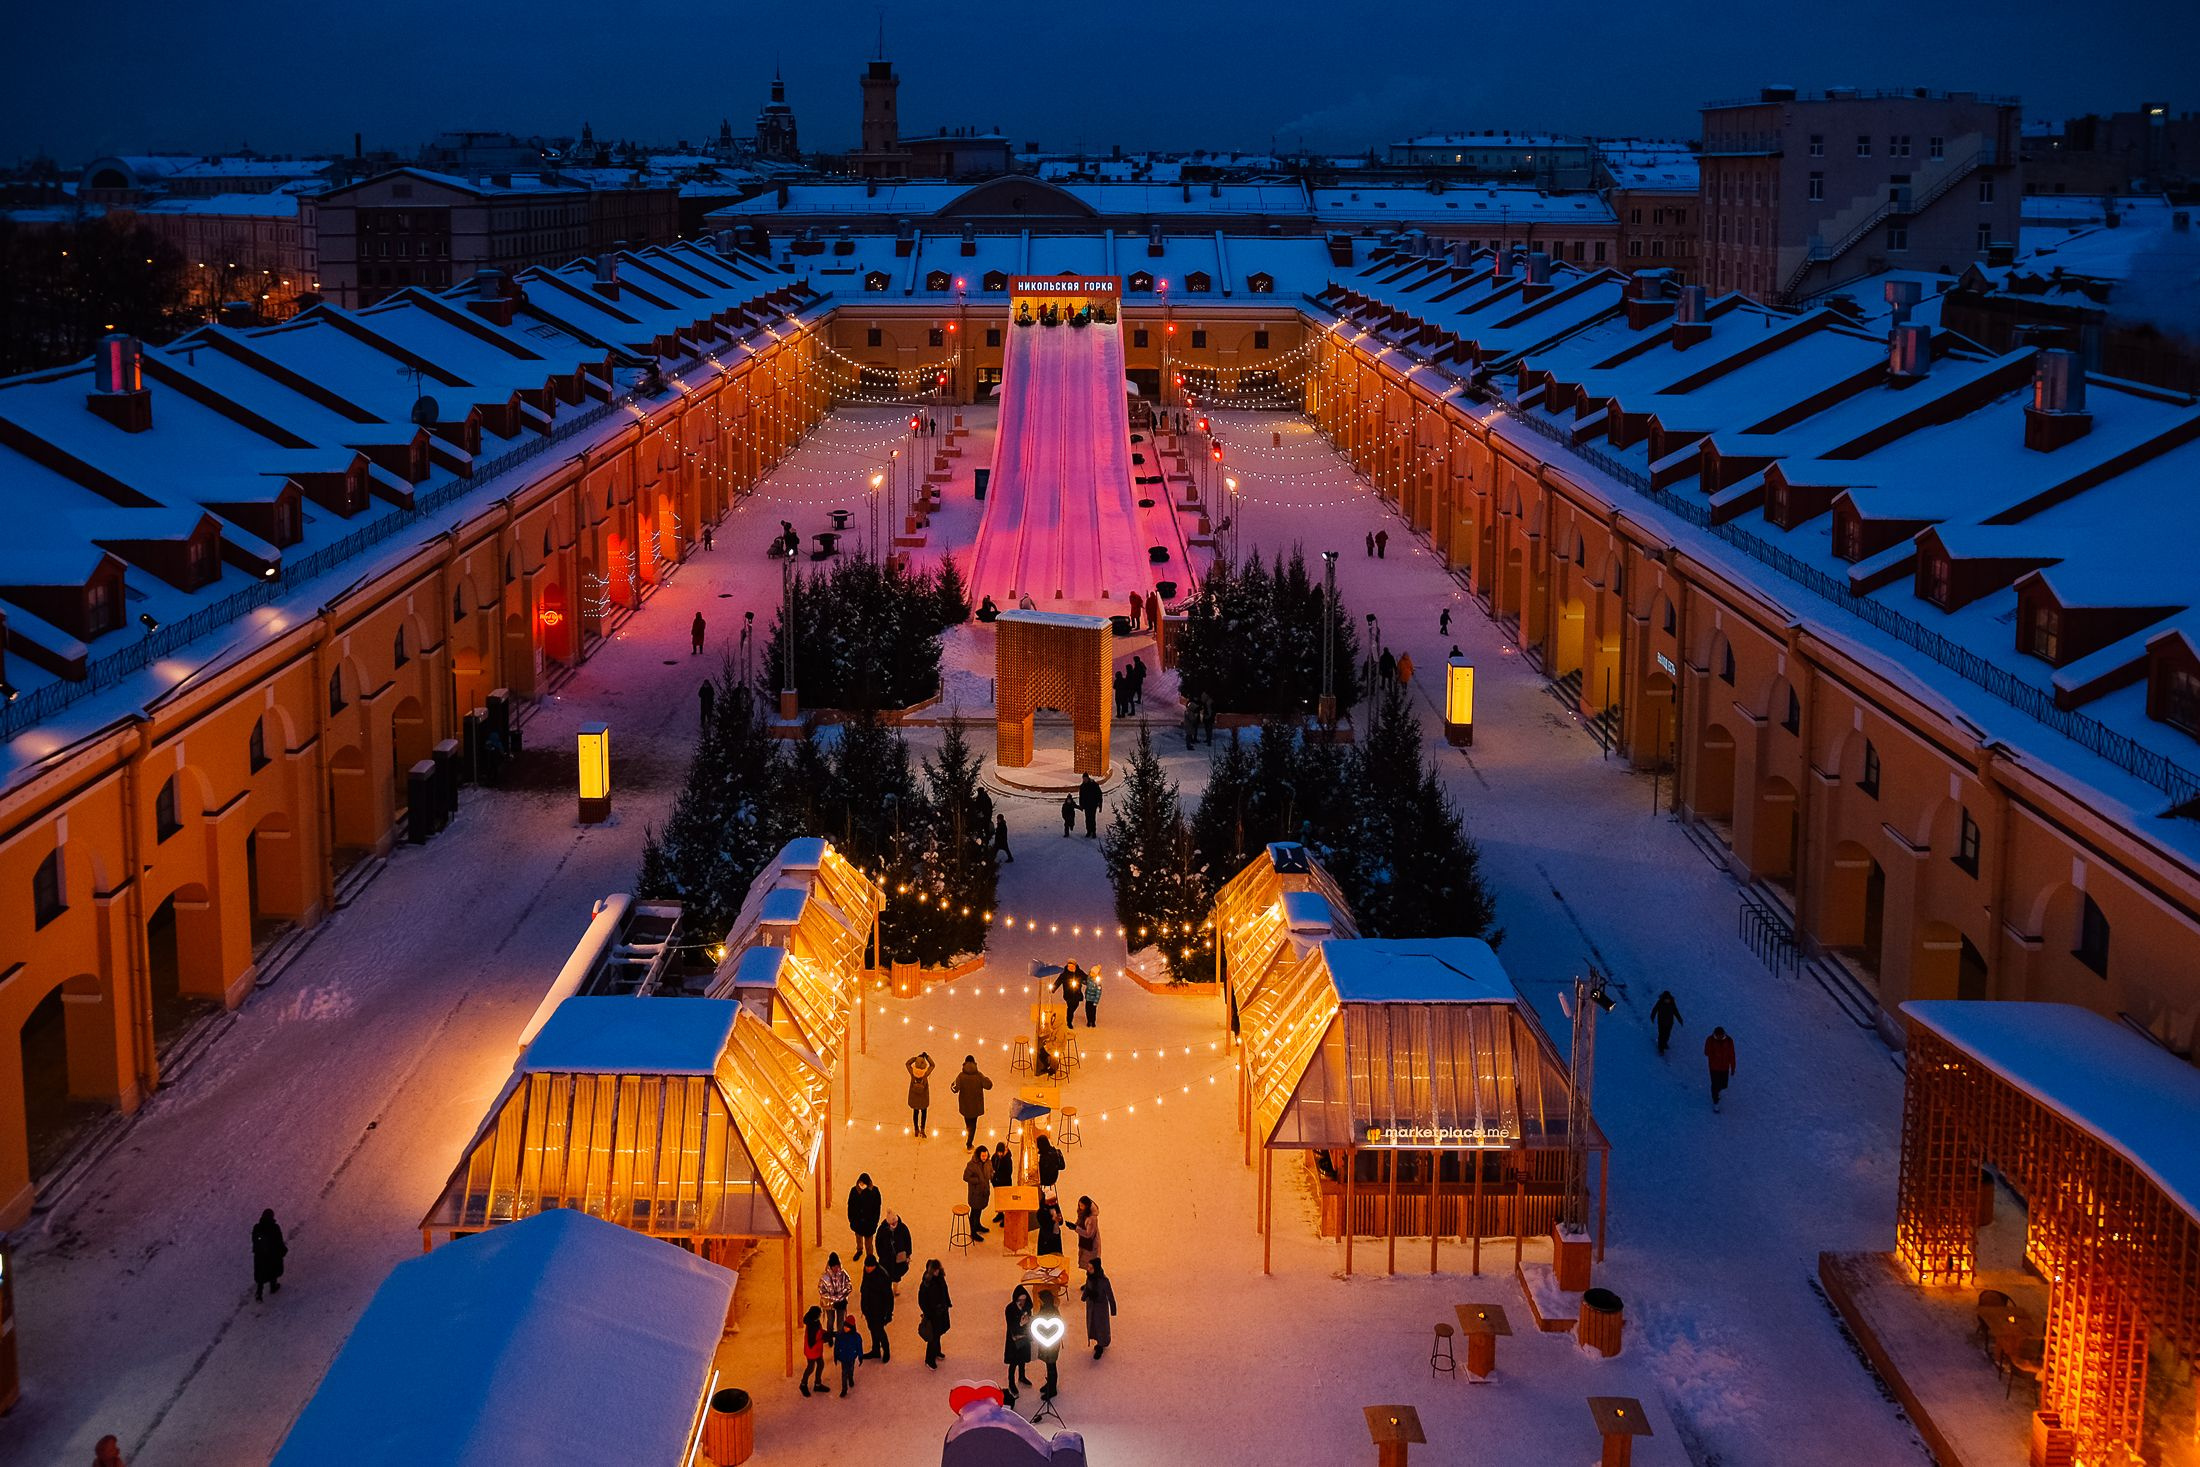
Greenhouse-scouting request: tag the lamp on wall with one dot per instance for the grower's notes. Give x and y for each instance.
(1459, 700)
(595, 773)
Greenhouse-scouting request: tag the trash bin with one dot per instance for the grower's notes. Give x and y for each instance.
(1602, 1318)
(981, 476)
(729, 1433)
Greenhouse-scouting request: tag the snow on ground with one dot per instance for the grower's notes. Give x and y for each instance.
(342, 1094)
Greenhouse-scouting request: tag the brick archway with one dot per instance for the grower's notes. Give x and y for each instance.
(1048, 659)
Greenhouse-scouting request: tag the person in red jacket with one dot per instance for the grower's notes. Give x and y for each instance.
(1718, 1052)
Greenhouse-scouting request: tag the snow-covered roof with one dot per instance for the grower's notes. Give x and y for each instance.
(1489, 140)
(558, 1339)
(1416, 970)
(630, 1036)
(276, 205)
(1454, 207)
(2098, 1074)
(1070, 620)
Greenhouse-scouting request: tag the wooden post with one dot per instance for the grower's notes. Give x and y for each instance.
(1390, 1209)
(1435, 1201)
(1604, 1195)
(1267, 1207)
(847, 1073)
(1351, 1177)
(821, 1191)
(1477, 1212)
(863, 1015)
(1520, 1209)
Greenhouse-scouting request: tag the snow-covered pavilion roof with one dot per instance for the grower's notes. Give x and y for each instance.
(561, 1341)
(607, 1035)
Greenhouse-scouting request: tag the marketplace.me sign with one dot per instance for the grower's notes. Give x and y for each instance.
(1435, 1136)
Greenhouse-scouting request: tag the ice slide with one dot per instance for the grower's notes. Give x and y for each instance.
(1061, 515)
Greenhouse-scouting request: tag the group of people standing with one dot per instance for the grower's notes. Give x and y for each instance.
(1130, 687)
(1086, 799)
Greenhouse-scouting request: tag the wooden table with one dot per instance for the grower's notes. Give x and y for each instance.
(1393, 1429)
(1619, 1419)
(1482, 1324)
(1015, 1205)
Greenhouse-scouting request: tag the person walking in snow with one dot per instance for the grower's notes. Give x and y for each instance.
(1665, 1013)
(1000, 840)
(1069, 815)
(1088, 1232)
(268, 1251)
(934, 1306)
(1088, 800)
(978, 1187)
(1016, 1346)
(1370, 544)
(864, 1206)
(833, 1288)
(706, 537)
(709, 697)
(1443, 623)
(695, 636)
(1387, 668)
(1099, 1296)
(970, 1087)
(1718, 1053)
(1004, 1171)
(1092, 998)
(920, 1069)
(878, 1309)
(1070, 983)
(891, 1248)
(1138, 683)
(847, 1349)
(814, 1340)
(1382, 544)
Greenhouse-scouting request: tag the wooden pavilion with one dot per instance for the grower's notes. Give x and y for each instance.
(1270, 913)
(2092, 1125)
(811, 900)
(688, 1119)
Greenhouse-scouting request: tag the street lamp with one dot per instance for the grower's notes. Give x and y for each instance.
(877, 480)
(1459, 701)
(595, 773)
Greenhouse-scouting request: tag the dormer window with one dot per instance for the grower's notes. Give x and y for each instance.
(1199, 282)
(875, 280)
(2044, 639)
(2179, 699)
(1939, 580)
(937, 280)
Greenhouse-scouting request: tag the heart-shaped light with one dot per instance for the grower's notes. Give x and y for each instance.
(967, 1393)
(1048, 1330)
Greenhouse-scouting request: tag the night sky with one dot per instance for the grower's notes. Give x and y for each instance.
(77, 80)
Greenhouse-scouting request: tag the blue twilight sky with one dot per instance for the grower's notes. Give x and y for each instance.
(79, 79)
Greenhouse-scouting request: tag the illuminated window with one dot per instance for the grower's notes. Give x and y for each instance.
(2047, 633)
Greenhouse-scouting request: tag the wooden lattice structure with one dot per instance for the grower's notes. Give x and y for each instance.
(2092, 1125)
(812, 901)
(1047, 659)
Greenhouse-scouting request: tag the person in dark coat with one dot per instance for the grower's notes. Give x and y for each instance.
(1099, 1297)
(1088, 1232)
(1665, 1013)
(864, 1205)
(1718, 1053)
(847, 1349)
(890, 1246)
(1016, 1351)
(1382, 544)
(1088, 800)
(1069, 814)
(1050, 1228)
(1370, 544)
(1138, 684)
(1386, 667)
(920, 1067)
(985, 808)
(1115, 682)
(1004, 1169)
(877, 1296)
(933, 1311)
(1048, 1316)
(695, 636)
(977, 1179)
(1070, 983)
(709, 697)
(268, 1249)
(1000, 840)
(970, 1087)
(1051, 1165)
(1443, 622)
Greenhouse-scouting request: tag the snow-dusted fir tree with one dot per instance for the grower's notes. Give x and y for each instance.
(1225, 827)
(1252, 640)
(953, 870)
(868, 636)
(1159, 884)
(1284, 786)
(1406, 864)
(874, 811)
(952, 594)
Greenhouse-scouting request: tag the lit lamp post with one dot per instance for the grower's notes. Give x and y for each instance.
(595, 773)
(1459, 700)
(876, 481)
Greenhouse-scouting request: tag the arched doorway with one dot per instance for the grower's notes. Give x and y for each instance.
(1509, 591)
(352, 821)
(410, 743)
(182, 961)
(1654, 727)
(1853, 911)
(1946, 965)
(65, 1084)
(1714, 776)
(557, 623)
(1567, 637)
(271, 877)
(1772, 848)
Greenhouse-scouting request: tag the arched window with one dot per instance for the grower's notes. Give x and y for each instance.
(511, 566)
(398, 655)
(165, 823)
(1726, 663)
(458, 603)
(2092, 948)
(1967, 842)
(49, 897)
(1792, 721)
(545, 542)
(1869, 784)
(336, 691)
(256, 747)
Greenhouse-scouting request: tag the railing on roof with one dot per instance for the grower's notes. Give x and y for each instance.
(2121, 750)
(104, 672)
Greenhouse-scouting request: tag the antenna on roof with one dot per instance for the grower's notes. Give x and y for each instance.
(882, 33)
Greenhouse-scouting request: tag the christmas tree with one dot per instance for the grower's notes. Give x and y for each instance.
(1161, 891)
(952, 877)
(1400, 853)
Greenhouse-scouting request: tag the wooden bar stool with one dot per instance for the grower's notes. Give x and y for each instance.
(1440, 1358)
(1072, 1133)
(958, 1226)
(1021, 1060)
(1066, 1054)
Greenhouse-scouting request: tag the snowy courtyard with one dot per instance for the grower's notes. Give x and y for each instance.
(342, 1093)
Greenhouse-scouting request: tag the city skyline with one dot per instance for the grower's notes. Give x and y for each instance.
(76, 92)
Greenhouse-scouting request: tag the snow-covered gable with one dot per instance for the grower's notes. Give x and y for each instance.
(630, 1036)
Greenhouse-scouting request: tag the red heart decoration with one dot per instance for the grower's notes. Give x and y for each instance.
(969, 1392)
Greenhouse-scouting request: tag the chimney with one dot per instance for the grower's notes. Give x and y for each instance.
(118, 384)
(1903, 296)
(1646, 303)
(2057, 414)
(970, 239)
(726, 246)
(1538, 282)
(489, 299)
(1691, 318)
(1154, 247)
(1462, 255)
(607, 275)
(1909, 351)
(1501, 264)
(782, 196)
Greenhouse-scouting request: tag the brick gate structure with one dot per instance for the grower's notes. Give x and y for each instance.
(1047, 659)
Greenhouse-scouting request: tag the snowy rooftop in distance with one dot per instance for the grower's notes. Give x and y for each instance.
(2130, 1093)
(627, 1036)
(557, 1339)
(1416, 970)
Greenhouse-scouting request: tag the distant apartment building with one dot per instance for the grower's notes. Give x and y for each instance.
(250, 249)
(413, 227)
(2151, 150)
(1554, 162)
(211, 177)
(1651, 189)
(1804, 193)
